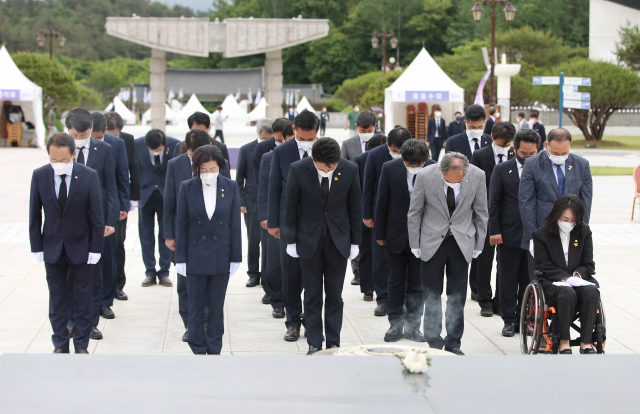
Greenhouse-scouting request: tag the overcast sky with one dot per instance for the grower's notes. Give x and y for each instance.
(203, 5)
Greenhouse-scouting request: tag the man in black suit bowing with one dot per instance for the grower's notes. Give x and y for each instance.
(322, 228)
(71, 240)
(486, 159)
(436, 133)
(269, 145)
(394, 198)
(505, 228)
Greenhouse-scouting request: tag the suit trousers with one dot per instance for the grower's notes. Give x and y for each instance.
(121, 277)
(220, 135)
(485, 263)
(404, 284)
(365, 263)
(272, 277)
(206, 290)
(253, 239)
(473, 275)
(80, 276)
(291, 284)
(432, 274)
(183, 297)
(109, 279)
(584, 299)
(380, 270)
(96, 271)
(329, 266)
(355, 265)
(514, 278)
(435, 148)
(154, 208)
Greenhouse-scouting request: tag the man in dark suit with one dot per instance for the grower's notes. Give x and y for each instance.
(505, 229)
(269, 145)
(122, 183)
(436, 133)
(486, 159)
(457, 126)
(70, 242)
(493, 115)
(394, 197)
(155, 150)
(114, 127)
(322, 229)
(305, 129)
(246, 179)
(539, 128)
(372, 171)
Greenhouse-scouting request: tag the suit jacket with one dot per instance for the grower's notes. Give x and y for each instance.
(549, 255)
(485, 160)
(351, 148)
(460, 143)
(263, 186)
(134, 165)
(488, 126)
(149, 177)
(79, 228)
(431, 129)
(539, 190)
(119, 153)
(246, 177)
(306, 211)
(361, 161)
(372, 170)
(504, 210)
(208, 246)
(456, 128)
(392, 205)
(100, 160)
(284, 155)
(178, 170)
(429, 221)
(539, 128)
(221, 146)
(261, 149)
(523, 125)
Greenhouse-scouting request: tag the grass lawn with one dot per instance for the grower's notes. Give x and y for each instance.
(621, 143)
(611, 170)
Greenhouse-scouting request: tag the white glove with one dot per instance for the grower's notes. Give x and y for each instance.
(94, 258)
(132, 205)
(531, 247)
(39, 256)
(355, 251)
(181, 269)
(476, 253)
(233, 267)
(292, 251)
(416, 253)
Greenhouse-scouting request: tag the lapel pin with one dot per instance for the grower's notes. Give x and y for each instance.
(570, 167)
(339, 173)
(76, 177)
(509, 171)
(95, 148)
(575, 244)
(335, 178)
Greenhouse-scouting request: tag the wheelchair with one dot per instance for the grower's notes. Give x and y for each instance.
(539, 328)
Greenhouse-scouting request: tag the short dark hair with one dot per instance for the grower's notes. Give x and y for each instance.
(196, 138)
(307, 121)
(526, 135)
(559, 134)
(503, 129)
(199, 118)
(99, 121)
(376, 141)
(326, 150)
(79, 119)
(564, 202)
(154, 138)
(398, 136)
(437, 107)
(366, 119)
(287, 131)
(114, 121)
(534, 114)
(60, 140)
(458, 112)
(279, 124)
(492, 110)
(521, 114)
(414, 152)
(475, 113)
(204, 154)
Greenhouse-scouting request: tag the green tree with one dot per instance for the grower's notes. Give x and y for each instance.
(374, 95)
(628, 49)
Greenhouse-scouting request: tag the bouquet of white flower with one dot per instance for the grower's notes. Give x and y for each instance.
(414, 362)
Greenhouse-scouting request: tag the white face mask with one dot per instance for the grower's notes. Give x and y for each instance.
(82, 142)
(366, 136)
(209, 178)
(278, 142)
(60, 168)
(323, 174)
(557, 159)
(500, 150)
(414, 170)
(437, 114)
(475, 133)
(496, 115)
(305, 145)
(155, 153)
(394, 155)
(565, 226)
(452, 185)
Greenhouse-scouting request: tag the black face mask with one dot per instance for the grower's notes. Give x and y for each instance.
(521, 159)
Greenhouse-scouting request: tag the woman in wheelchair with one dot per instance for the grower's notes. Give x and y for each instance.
(563, 250)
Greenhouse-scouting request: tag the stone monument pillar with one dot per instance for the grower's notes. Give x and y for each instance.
(158, 81)
(273, 83)
(504, 72)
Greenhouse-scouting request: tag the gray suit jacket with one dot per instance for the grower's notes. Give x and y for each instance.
(351, 148)
(429, 221)
(539, 190)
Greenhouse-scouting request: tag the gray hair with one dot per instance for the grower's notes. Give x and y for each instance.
(264, 125)
(445, 163)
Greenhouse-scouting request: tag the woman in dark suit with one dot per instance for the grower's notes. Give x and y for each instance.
(208, 245)
(563, 251)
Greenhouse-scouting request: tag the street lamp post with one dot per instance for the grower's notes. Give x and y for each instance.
(375, 41)
(509, 13)
(41, 38)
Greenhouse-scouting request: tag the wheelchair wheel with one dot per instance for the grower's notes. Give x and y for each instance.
(600, 331)
(531, 318)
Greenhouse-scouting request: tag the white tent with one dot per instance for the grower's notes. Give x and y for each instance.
(260, 111)
(168, 115)
(18, 89)
(422, 81)
(232, 109)
(304, 104)
(192, 105)
(128, 117)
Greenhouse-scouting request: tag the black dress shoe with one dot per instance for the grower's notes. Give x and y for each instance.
(120, 295)
(149, 281)
(394, 334)
(589, 350)
(185, 337)
(368, 297)
(496, 308)
(95, 334)
(414, 335)
(474, 295)
(107, 313)
(72, 330)
(293, 333)
(456, 351)
(380, 310)
(566, 352)
(509, 329)
(165, 281)
(356, 279)
(253, 281)
(487, 312)
(82, 351)
(278, 313)
(60, 351)
(266, 299)
(313, 350)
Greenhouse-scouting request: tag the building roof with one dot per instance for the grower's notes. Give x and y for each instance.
(215, 84)
(634, 4)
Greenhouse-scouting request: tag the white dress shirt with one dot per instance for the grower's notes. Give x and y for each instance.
(301, 151)
(496, 158)
(410, 183)
(330, 178)
(209, 193)
(153, 157)
(554, 167)
(520, 167)
(57, 180)
(472, 143)
(456, 193)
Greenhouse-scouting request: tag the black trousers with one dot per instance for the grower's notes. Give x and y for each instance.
(146, 227)
(485, 263)
(121, 277)
(329, 266)
(291, 283)
(96, 283)
(514, 278)
(432, 274)
(473, 275)
(323, 129)
(219, 135)
(109, 278)
(404, 285)
(365, 263)
(585, 299)
(380, 270)
(253, 239)
(272, 277)
(58, 276)
(435, 148)
(209, 290)
(183, 297)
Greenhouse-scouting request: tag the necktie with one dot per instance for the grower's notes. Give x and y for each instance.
(324, 189)
(500, 156)
(560, 180)
(80, 157)
(451, 200)
(305, 155)
(157, 162)
(477, 146)
(414, 179)
(62, 193)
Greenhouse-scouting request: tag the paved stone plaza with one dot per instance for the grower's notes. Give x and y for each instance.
(148, 323)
